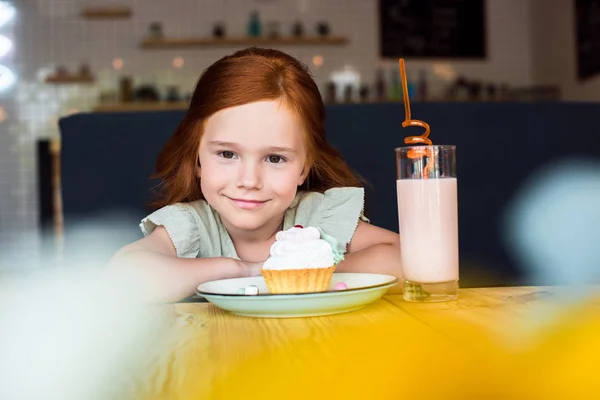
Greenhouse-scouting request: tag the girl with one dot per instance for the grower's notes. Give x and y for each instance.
(249, 159)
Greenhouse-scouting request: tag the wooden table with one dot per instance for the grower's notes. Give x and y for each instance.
(491, 343)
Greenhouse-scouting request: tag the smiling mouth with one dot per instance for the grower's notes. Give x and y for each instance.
(247, 204)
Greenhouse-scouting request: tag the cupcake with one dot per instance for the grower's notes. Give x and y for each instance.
(302, 260)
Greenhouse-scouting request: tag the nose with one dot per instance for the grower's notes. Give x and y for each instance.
(250, 175)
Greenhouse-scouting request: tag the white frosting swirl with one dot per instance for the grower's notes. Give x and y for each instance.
(299, 248)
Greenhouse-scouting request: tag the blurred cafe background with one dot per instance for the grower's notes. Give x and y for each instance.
(91, 89)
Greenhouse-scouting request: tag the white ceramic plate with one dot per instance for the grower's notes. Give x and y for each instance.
(362, 290)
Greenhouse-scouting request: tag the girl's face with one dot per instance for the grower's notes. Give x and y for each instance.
(252, 159)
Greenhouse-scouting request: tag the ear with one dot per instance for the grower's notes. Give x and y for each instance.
(198, 168)
(303, 175)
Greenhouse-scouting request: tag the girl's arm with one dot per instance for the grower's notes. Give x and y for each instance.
(154, 267)
(374, 250)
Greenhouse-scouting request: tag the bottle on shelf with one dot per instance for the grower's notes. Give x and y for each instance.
(380, 86)
(396, 87)
(254, 25)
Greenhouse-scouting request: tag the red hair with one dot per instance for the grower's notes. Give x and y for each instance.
(247, 76)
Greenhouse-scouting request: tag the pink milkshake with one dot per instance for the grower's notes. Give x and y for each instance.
(428, 213)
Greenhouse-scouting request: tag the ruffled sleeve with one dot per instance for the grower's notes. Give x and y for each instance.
(336, 212)
(181, 224)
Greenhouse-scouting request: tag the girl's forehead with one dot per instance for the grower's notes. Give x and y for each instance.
(268, 112)
(259, 123)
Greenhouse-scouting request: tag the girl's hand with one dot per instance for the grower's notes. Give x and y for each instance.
(250, 268)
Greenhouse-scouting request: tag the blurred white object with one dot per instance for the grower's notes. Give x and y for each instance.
(7, 78)
(552, 224)
(77, 331)
(5, 45)
(7, 12)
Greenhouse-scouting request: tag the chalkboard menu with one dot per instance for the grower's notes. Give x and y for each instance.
(587, 21)
(432, 28)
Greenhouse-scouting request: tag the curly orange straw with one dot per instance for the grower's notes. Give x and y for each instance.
(407, 120)
(424, 138)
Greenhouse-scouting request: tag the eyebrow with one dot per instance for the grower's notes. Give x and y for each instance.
(276, 149)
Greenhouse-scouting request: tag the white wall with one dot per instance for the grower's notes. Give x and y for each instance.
(554, 50)
(51, 33)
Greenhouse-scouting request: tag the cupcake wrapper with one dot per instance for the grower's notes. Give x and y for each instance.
(304, 280)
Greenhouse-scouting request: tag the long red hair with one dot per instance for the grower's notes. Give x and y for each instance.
(247, 76)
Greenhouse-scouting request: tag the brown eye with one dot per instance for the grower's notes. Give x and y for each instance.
(227, 154)
(275, 159)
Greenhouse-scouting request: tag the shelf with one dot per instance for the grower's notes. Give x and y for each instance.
(106, 13)
(70, 79)
(177, 43)
(183, 105)
(142, 106)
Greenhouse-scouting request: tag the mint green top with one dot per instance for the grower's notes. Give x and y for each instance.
(197, 231)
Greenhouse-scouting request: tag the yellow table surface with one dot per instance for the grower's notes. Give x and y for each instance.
(516, 342)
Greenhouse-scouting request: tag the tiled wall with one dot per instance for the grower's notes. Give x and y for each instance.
(48, 33)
